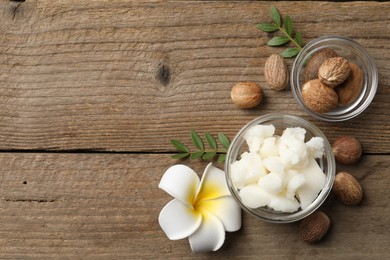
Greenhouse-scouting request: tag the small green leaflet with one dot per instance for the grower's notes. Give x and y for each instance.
(209, 155)
(180, 146)
(221, 158)
(276, 16)
(196, 140)
(288, 25)
(196, 155)
(278, 40)
(224, 140)
(211, 140)
(267, 27)
(298, 38)
(180, 155)
(290, 52)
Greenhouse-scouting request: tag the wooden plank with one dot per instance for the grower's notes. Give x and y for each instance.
(99, 206)
(130, 75)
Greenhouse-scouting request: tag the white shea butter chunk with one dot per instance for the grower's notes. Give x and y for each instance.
(316, 147)
(294, 183)
(279, 172)
(271, 183)
(247, 170)
(256, 135)
(293, 151)
(315, 181)
(281, 203)
(270, 147)
(274, 164)
(253, 196)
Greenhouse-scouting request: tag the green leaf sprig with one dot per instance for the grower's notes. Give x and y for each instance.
(286, 29)
(202, 152)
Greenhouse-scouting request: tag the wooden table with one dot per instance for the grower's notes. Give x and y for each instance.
(91, 92)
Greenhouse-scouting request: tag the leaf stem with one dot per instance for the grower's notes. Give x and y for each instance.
(288, 36)
(210, 151)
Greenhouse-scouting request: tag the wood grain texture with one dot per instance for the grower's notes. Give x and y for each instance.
(127, 76)
(105, 206)
(131, 75)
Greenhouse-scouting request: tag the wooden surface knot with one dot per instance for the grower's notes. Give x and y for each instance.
(16, 5)
(163, 73)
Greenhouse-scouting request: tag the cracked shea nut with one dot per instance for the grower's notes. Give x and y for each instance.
(350, 89)
(334, 71)
(347, 189)
(246, 94)
(314, 227)
(319, 97)
(311, 69)
(276, 73)
(347, 150)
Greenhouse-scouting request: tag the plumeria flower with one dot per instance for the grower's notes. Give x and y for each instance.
(201, 210)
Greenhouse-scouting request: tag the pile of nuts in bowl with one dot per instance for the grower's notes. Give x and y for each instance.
(330, 80)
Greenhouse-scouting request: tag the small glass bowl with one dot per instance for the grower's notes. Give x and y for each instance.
(281, 122)
(353, 52)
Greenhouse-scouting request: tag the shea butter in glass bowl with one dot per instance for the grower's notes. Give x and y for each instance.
(325, 161)
(352, 52)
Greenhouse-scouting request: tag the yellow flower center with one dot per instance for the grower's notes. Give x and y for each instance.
(205, 199)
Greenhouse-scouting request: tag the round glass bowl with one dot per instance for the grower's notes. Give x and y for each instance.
(281, 122)
(349, 50)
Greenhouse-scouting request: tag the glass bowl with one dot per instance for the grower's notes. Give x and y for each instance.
(353, 52)
(281, 122)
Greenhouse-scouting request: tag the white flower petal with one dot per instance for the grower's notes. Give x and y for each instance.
(213, 184)
(209, 236)
(178, 220)
(225, 209)
(181, 182)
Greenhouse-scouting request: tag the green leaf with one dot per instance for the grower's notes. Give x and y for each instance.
(196, 140)
(278, 40)
(276, 16)
(298, 38)
(180, 155)
(267, 27)
(180, 146)
(288, 25)
(211, 140)
(221, 158)
(290, 52)
(209, 155)
(224, 140)
(196, 155)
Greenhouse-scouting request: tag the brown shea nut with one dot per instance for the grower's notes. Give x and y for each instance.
(347, 189)
(347, 149)
(275, 72)
(319, 97)
(334, 71)
(246, 94)
(314, 227)
(311, 69)
(350, 89)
